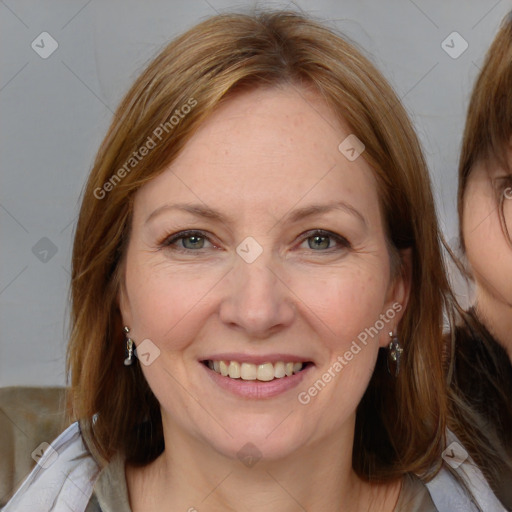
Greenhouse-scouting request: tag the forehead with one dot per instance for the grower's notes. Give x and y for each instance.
(268, 149)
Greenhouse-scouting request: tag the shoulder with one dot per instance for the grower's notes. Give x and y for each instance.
(63, 478)
(414, 496)
(460, 485)
(111, 489)
(449, 494)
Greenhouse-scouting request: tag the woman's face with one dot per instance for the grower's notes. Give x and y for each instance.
(487, 250)
(261, 244)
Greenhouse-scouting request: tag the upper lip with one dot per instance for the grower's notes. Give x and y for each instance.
(256, 359)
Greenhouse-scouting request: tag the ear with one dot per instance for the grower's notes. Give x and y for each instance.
(398, 296)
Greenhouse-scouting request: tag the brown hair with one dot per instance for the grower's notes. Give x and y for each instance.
(487, 135)
(481, 408)
(400, 421)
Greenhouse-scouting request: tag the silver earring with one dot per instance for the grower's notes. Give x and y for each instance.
(395, 354)
(129, 347)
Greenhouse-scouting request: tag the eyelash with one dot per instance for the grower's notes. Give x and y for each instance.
(170, 240)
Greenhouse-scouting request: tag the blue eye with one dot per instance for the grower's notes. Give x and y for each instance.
(320, 240)
(196, 242)
(190, 240)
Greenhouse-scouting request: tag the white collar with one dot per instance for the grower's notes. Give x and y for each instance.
(62, 480)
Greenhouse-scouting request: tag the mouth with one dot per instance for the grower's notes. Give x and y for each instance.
(264, 372)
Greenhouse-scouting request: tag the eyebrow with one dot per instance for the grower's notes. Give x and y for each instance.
(204, 211)
(317, 209)
(195, 209)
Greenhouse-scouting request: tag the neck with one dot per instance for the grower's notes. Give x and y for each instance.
(189, 475)
(497, 318)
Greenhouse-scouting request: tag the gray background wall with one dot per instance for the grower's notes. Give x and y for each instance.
(54, 112)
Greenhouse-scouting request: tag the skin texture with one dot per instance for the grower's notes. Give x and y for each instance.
(262, 155)
(488, 253)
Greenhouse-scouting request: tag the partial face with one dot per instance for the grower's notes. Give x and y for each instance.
(260, 252)
(488, 253)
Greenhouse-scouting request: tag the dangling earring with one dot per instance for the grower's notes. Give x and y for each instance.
(129, 348)
(395, 353)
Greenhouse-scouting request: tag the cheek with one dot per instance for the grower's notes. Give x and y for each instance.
(164, 302)
(487, 250)
(349, 308)
(346, 302)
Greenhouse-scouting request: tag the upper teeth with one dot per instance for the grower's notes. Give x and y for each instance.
(249, 371)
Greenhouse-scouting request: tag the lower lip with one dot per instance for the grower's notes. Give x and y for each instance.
(256, 389)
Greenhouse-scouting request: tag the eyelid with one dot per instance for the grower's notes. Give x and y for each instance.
(341, 240)
(170, 240)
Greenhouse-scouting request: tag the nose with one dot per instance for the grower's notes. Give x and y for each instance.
(256, 300)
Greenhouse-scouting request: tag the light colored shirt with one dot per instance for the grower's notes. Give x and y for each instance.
(67, 478)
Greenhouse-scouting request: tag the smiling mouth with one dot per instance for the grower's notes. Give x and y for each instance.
(262, 372)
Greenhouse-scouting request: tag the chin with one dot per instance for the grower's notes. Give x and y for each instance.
(266, 441)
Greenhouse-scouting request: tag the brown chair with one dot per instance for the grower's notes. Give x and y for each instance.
(29, 416)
